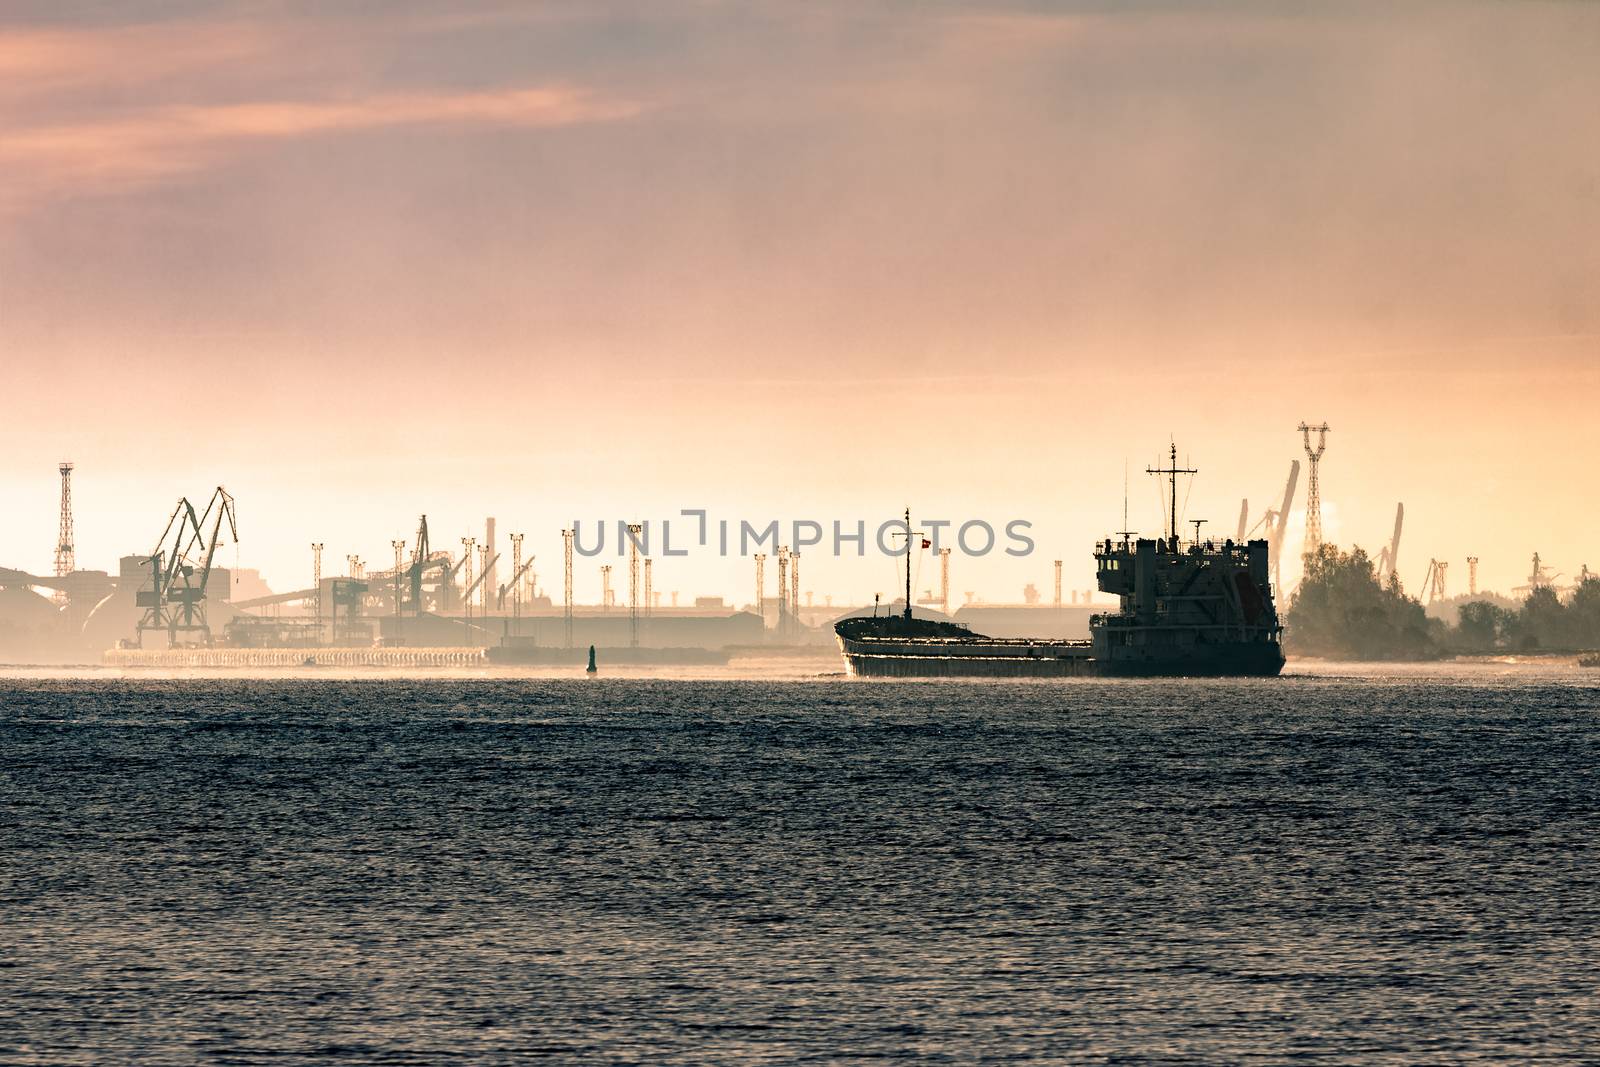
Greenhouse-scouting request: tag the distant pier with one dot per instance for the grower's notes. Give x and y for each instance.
(296, 657)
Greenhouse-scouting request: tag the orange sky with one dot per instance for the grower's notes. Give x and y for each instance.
(608, 260)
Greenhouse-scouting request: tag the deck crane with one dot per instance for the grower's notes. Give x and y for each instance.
(180, 569)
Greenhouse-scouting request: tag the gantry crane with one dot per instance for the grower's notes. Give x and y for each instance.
(511, 586)
(488, 564)
(1388, 556)
(1540, 577)
(1275, 522)
(180, 569)
(1435, 581)
(425, 560)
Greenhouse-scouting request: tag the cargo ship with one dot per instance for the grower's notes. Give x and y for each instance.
(1186, 608)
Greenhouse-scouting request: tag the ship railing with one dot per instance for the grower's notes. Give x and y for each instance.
(1206, 546)
(1129, 622)
(1010, 642)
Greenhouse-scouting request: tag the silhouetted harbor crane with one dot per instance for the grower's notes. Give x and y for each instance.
(180, 569)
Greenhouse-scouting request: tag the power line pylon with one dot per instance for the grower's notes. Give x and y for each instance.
(1314, 491)
(66, 555)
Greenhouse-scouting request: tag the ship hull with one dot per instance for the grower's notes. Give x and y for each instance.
(892, 657)
(895, 658)
(1256, 659)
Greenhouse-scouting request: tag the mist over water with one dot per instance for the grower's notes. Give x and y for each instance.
(1384, 865)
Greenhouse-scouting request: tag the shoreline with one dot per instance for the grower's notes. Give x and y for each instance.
(776, 668)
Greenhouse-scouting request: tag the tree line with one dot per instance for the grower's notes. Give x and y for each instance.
(1343, 610)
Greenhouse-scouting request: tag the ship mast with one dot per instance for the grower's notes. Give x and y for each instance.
(908, 564)
(1172, 470)
(909, 534)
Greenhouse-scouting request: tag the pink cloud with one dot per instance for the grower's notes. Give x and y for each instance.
(73, 157)
(36, 62)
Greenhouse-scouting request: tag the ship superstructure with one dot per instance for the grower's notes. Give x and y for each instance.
(1195, 607)
(1187, 607)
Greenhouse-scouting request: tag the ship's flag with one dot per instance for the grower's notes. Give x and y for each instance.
(926, 543)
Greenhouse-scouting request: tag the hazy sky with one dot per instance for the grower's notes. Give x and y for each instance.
(358, 261)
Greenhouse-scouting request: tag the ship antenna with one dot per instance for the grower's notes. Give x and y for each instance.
(1172, 470)
(1124, 497)
(1174, 495)
(1125, 533)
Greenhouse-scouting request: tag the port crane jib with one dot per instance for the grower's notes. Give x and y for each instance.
(180, 568)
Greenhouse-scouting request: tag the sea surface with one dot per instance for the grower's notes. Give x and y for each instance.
(1338, 866)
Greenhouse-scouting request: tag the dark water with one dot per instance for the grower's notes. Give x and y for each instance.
(1325, 869)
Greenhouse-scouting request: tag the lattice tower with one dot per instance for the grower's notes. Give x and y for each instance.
(1314, 492)
(566, 583)
(66, 554)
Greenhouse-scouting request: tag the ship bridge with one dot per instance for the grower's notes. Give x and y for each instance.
(1187, 583)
